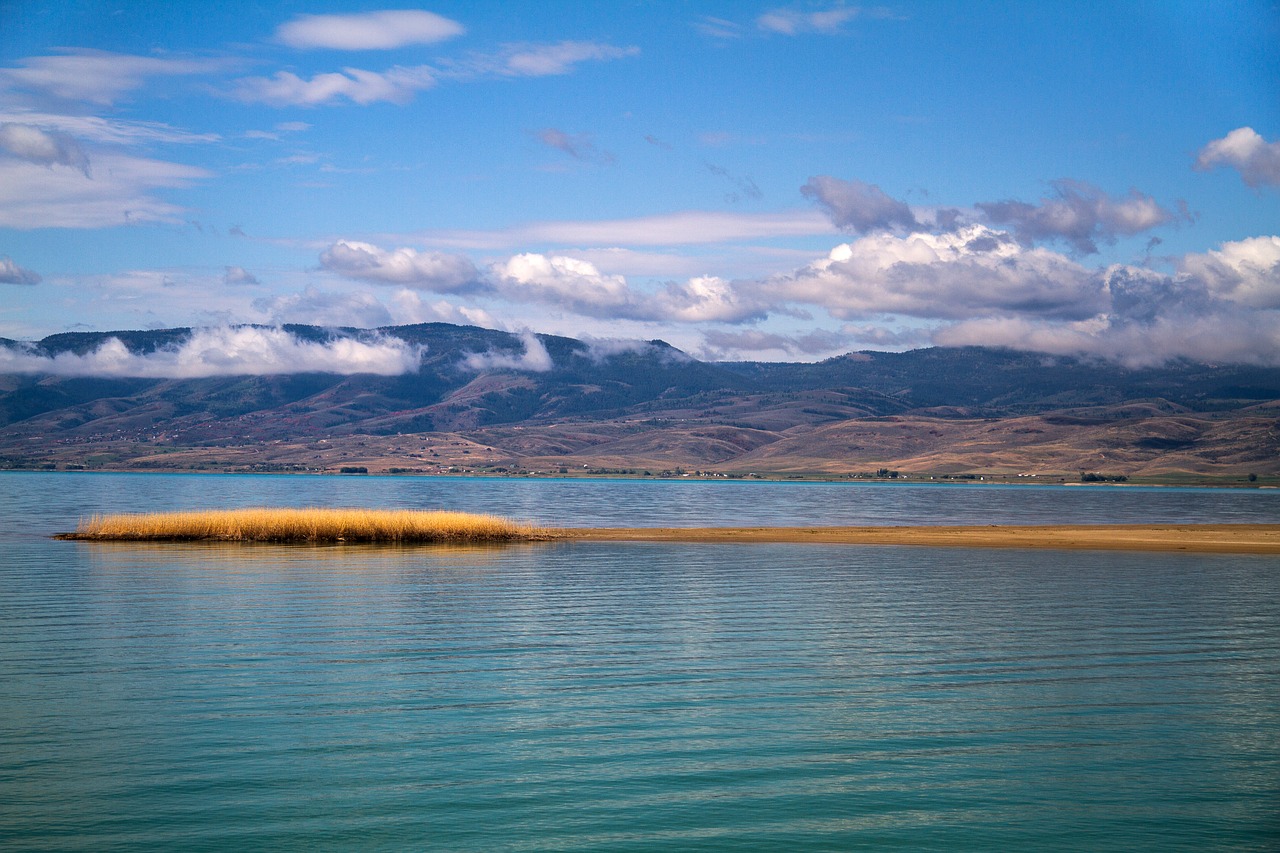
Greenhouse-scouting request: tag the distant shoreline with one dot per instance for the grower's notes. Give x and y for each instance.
(1199, 538)
(1172, 481)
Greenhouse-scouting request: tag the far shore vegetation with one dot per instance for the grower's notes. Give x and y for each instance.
(307, 525)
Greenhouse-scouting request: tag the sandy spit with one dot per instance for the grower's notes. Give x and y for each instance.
(1209, 538)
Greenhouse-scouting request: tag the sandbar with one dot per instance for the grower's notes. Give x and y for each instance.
(1203, 538)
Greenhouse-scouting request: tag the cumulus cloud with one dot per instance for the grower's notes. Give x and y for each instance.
(381, 30)
(434, 271)
(1080, 214)
(396, 85)
(11, 273)
(1243, 149)
(704, 299)
(1246, 272)
(860, 207)
(970, 272)
(579, 146)
(579, 286)
(95, 76)
(43, 148)
(225, 351)
(1220, 306)
(567, 282)
(534, 359)
(790, 22)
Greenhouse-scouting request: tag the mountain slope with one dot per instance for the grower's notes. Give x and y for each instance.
(485, 399)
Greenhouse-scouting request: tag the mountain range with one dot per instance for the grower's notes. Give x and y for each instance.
(480, 400)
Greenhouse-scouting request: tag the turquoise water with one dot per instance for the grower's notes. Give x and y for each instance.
(595, 696)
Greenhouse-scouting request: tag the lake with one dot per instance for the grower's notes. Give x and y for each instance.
(634, 696)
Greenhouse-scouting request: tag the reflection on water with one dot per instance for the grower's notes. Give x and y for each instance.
(626, 696)
(259, 556)
(51, 503)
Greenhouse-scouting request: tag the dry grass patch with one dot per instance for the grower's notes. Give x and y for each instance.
(309, 525)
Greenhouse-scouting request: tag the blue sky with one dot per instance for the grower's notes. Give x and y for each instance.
(743, 180)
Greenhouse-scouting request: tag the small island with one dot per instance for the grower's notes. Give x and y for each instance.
(306, 525)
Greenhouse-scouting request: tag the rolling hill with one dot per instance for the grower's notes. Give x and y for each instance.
(485, 400)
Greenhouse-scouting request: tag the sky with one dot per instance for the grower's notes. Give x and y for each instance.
(782, 182)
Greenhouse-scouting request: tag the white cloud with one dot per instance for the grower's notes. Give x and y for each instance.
(11, 273)
(790, 22)
(534, 359)
(568, 282)
(225, 351)
(1257, 160)
(603, 349)
(95, 76)
(396, 85)
(1231, 337)
(432, 271)
(579, 286)
(380, 30)
(971, 272)
(545, 60)
(705, 299)
(408, 307)
(1246, 272)
(1221, 306)
(119, 193)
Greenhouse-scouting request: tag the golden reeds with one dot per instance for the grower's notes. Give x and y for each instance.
(308, 525)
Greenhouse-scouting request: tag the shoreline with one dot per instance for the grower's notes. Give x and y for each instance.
(1172, 481)
(1189, 538)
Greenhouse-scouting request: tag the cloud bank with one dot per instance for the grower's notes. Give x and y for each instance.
(225, 351)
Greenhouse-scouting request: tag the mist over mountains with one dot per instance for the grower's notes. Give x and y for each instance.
(436, 396)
